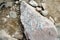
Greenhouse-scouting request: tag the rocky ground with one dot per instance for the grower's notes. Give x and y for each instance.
(10, 17)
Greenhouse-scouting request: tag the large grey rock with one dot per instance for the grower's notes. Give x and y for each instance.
(36, 26)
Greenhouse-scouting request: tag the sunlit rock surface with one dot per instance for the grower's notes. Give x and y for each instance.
(36, 26)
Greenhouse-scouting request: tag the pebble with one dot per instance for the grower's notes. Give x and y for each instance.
(17, 2)
(43, 5)
(12, 14)
(55, 18)
(38, 9)
(51, 19)
(33, 3)
(7, 16)
(45, 12)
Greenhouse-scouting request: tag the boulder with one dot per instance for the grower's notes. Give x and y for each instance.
(36, 26)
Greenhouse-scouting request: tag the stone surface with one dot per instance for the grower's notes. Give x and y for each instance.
(36, 26)
(43, 5)
(52, 19)
(38, 9)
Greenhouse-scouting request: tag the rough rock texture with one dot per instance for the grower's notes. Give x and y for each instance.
(36, 26)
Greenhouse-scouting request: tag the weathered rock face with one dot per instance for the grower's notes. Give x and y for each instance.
(36, 26)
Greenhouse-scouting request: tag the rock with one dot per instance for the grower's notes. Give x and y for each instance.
(36, 26)
(33, 3)
(44, 5)
(7, 16)
(52, 19)
(12, 14)
(38, 9)
(5, 36)
(17, 2)
(45, 12)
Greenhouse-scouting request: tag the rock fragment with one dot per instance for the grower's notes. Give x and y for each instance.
(33, 3)
(38, 9)
(52, 19)
(36, 26)
(44, 5)
(13, 14)
(44, 13)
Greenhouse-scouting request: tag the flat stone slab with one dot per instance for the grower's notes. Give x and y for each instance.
(36, 26)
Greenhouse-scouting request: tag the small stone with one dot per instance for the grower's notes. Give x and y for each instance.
(17, 2)
(38, 9)
(55, 18)
(33, 3)
(12, 14)
(51, 19)
(43, 5)
(7, 16)
(45, 12)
